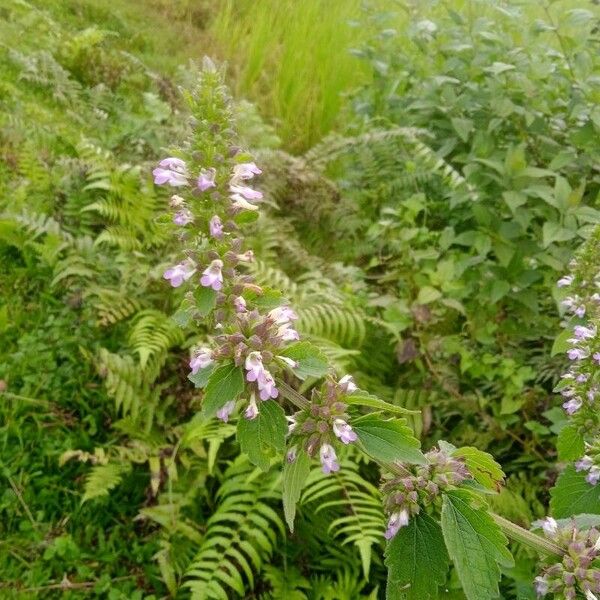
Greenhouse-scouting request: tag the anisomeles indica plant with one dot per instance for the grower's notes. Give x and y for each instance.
(292, 409)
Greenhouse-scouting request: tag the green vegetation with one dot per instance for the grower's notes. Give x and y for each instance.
(430, 169)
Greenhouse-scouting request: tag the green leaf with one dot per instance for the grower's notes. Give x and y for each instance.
(311, 361)
(476, 544)
(417, 560)
(206, 300)
(570, 444)
(388, 440)
(573, 495)
(482, 466)
(201, 377)
(555, 232)
(362, 398)
(224, 384)
(561, 344)
(294, 478)
(428, 294)
(264, 436)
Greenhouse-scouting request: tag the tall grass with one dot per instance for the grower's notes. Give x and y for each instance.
(292, 58)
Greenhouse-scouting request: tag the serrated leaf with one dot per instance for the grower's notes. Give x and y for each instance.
(417, 560)
(294, 478)
(311, 361)
(573, 495)
(206, 300)
(362, 398)
(262, 437)
(476, 544)
(570, 443)
(224, 384)
(482, 466)
(201, 377)
(561, 344)
(388, 440)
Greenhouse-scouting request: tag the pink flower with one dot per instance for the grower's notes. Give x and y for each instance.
(266, 386)
(328, 459)
(251, 411)
(201, 359)
(287, 334)
(245, 171)
(179, 273)
(172, 171)
(246, 192)
(396, 522)
(215, 227)
(183, 217)
(224, 412)
(206, 179)
(254, 366)
(212, 276)
(282, 314)
(343, 431)
(347, 384)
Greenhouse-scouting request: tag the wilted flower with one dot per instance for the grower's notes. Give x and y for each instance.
(179, 273)
(328, 459)
(550, 526)
(183, 217)
(201, 359)
(288, 361)
(176, 201)
(206, 179)
(224, 412)
(246, 192)
(287, 334)
(212, 276)
(396, 522)
(239, 304)
(282, 314)
(215, 227)
(291, 424)
(245, 171)
(172, 171)
(240, 202)
(343, 431)
(347, 385)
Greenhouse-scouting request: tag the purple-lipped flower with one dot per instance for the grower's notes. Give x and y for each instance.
(254, 366)
(343, 431)
(593, 476)
(580, 311)
(585, 463)
(172, 171)
(239, 304)
(181, 272)
(183, 217)
(215, 227)
(201, 358)
(245, 171)
(347, 385)
(596, 357)
(225, 411)
(282, 315)
(266, 386)
(542, 587)
(287, 334)
(584, 333)
(206, 180)
(577, 354)
(212, 276)
(572, 406)
(328, 458)
(396, 521)
(245, 192)
(251, 411)
(565, 281)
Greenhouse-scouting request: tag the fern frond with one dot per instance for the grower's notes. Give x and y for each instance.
(103, 478)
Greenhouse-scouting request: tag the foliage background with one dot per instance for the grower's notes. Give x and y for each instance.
(432, 167)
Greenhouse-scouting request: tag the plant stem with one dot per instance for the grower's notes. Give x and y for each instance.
(527, 538)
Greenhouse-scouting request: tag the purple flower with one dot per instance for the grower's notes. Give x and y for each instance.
(328, 459)
(201, 359)
(240, 202)
(266, 386)
(541, 586)
(550, 526)
(397, 520)
(568, 392)
(172, 171)
(291, 454)
(254, 366)
(206, 179)
(347, 385)
(343, 431)
(573, 405)
(577, 354)
(593, 476)
(584, 333)
(224, 412)
(245, 192)
(245, 171)
(591, 394)
(251, 411)
(596, 357)
(239, 304)
(183, 217)
(179, 273)
(282, 315)
(585, 463)
(565, 281)
(583, 377)
(212, 276)
(287, 334)
(215, 227)
(580, 311)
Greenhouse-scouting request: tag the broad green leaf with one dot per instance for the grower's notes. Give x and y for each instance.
(294, 478)
(570, 444)
(476, 544)
(311, 361)
(463, 127)
(263, 437)
(428, 294)
(482, 466)
(206, 300)
(561, 344)
(417, 560)
(201, 377)
(573, 495)
(555, 232)
(362, 398)
(388, 440)
(224, 384)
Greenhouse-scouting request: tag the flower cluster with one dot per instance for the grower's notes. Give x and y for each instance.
(324, 421)
(590, 463)
(420, 486)
(576, 573)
